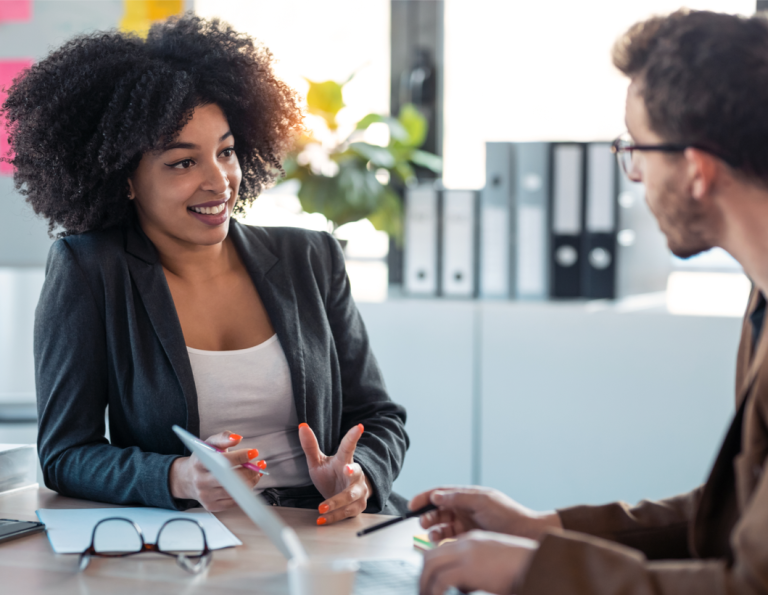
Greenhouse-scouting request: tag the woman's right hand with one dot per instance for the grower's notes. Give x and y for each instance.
(190, 479)
(463, 509)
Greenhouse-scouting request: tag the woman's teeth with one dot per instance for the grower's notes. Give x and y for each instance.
(210, 210)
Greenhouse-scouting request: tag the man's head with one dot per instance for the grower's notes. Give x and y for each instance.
(698, 79)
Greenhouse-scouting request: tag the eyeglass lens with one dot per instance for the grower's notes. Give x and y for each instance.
(181, 537)
(626, 160)
(116, 537)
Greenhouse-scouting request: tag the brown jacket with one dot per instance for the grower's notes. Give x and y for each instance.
(711, 541)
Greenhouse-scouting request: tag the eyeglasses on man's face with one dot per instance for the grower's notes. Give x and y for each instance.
(184, 539)
(626, 152)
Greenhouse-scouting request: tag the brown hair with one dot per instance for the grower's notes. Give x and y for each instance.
(704, 82)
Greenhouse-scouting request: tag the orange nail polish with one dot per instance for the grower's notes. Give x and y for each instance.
(349, 469)
(322, 520)
(303, 424)
(234, 437)
(362, 428)
(261, 464)
(323, 508)
(253, 453)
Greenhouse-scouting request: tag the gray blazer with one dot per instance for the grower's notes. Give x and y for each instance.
(107, 337)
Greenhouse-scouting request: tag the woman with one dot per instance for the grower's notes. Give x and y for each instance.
(162, 309)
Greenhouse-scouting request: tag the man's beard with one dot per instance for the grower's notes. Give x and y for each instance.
(684, 223)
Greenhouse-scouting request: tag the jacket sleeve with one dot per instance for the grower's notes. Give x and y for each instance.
(72, 383)
(574, 563)
(381, 449)
(659, 529)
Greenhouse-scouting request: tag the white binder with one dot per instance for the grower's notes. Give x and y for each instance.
(532, 203)
(458, 243)
(421, 241)
(497, 224)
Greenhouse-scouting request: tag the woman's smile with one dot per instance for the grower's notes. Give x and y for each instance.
(211, 213)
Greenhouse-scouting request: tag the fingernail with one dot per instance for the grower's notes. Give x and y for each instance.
(437, 498)
(253, 453)
(322, 520)
(362, 428)
(349, 469)
(304, 425)
(261, 464)
(323, 508)
(234, 437)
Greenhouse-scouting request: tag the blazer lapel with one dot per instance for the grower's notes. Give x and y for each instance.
(277, 292)
(752, 362)
(147, 274)
(718, 509)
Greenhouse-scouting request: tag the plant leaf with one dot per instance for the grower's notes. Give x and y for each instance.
(415, 125)
(325, 99)
(378, 156)
(428, 160)
(389, 216)
(368, 120)
(405, 172)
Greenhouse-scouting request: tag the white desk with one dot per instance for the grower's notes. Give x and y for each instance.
(28, 565)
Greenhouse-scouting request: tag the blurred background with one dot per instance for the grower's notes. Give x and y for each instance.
(556, 398)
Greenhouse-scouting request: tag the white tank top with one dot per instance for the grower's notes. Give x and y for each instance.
(249, 392)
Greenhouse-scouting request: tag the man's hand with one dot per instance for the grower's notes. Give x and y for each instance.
(190, 479)
(464, 509)
(338, 478)
(478, 560)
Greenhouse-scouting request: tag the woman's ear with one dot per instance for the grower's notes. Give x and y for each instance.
(131, 193)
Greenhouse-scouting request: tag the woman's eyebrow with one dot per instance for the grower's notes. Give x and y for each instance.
(180, 145)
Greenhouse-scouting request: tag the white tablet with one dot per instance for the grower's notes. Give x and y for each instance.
(284, 538)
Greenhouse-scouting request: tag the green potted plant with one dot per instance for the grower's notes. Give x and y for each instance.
(345, 178)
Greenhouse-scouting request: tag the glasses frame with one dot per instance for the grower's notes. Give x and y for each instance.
(194, 564)
(622, 144)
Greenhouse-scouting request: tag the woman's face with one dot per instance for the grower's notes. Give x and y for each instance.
(185, 192)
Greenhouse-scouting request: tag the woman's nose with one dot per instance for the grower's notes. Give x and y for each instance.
(216, 178)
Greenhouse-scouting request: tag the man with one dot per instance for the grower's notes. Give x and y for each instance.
(697, 114)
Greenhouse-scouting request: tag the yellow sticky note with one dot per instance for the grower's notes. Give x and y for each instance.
(139, 15)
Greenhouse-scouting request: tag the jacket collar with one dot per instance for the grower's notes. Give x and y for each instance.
(717, 509)
(272, 281)
(277, 290)
(750, 362)
(138, 244)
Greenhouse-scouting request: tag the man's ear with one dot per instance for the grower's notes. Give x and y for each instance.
(131, 192)
(703, 169)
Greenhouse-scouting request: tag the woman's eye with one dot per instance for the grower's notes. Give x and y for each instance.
(183, 164)
(228, 152)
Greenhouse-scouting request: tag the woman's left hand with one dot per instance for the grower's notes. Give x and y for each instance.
(338, 478)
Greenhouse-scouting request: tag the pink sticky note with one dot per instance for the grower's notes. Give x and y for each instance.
(16, 11)
(9, 70)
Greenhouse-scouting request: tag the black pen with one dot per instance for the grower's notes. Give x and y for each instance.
(410, 515)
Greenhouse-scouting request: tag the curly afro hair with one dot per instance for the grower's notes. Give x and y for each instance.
(80, 120)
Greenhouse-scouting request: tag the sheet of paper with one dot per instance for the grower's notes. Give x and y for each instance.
(9, 69)
(15, 11)
(70, 530)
